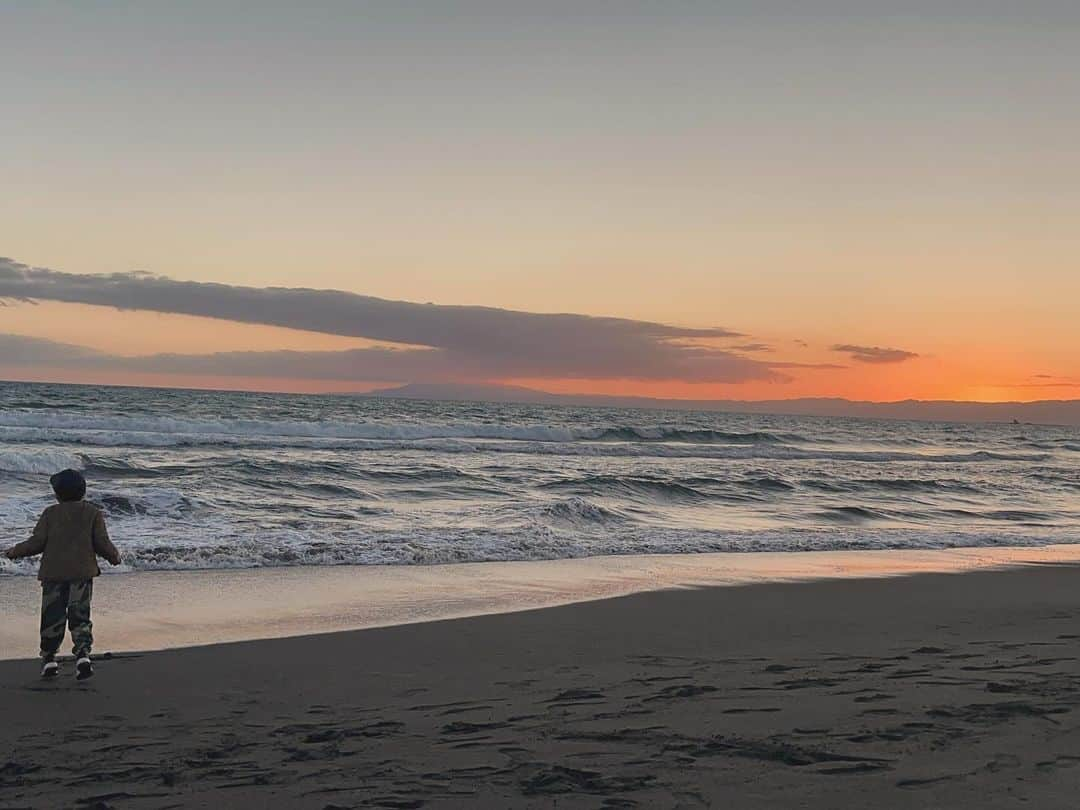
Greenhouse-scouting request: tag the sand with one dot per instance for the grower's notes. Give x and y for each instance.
(924, 691)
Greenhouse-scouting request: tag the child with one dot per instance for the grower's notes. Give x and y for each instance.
(69, 536)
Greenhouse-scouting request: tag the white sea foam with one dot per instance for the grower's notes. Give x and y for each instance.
(42, 461)
(276, 549)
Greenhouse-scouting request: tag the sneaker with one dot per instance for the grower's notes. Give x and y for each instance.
(50, 669)
(84, 668)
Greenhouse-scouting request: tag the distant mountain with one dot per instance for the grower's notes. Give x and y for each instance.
(1052, 412)
(472, 392)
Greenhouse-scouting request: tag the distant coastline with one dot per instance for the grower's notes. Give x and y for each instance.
(1041, 412)
(1060, 412)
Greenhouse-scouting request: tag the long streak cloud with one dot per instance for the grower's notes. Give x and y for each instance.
(445, 342)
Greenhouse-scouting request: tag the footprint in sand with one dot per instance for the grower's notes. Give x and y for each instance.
(577, 696)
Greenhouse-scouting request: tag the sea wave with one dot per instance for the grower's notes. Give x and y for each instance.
(37, 461)
(687, 436)
(164, 502)
(630, 487)
(205, 480)
(942, 486)
(548, 446)
(279, 549)
(159, 429)
(576, 513)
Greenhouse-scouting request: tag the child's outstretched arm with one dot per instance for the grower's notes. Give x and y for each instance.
(103, 546)
(36, 543)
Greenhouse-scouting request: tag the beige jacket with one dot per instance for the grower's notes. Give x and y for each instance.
(69, 537)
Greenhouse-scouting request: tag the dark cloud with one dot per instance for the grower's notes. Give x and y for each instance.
(459, 342)
(375, 364)
(382, 364)
(752, 347)
(18, 350)
(388, 365)
(1049, 381)
(819, 366)
(874, 354)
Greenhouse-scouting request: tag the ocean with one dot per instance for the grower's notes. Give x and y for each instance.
(208, 479)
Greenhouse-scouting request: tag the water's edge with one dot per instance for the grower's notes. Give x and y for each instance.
(167, 609)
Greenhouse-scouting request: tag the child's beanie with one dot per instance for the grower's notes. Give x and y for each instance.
(69, 485)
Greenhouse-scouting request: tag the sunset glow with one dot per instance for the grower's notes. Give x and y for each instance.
(862, 186)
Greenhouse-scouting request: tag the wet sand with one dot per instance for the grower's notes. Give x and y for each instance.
(930, 690)
(153, 610)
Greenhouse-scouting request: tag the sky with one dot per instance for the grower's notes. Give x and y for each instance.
(753, 200)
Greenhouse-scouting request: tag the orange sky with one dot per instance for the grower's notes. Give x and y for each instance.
(905, 179)
(984, 373)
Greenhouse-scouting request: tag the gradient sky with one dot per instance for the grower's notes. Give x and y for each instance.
(812, 175)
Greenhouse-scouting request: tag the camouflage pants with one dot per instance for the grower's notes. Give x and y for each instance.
(66, 603)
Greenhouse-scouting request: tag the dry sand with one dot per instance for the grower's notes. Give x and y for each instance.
(926, 691)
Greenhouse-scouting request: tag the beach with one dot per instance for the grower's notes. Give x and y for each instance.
(575, 406)
(927, 690)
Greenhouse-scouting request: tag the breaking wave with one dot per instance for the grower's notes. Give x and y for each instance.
(163, 430)
(564, 541)
(41, 462)
(550, 446)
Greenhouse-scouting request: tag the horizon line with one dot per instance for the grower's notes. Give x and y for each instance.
(380, 393)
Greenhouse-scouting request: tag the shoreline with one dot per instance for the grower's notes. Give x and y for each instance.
(928, 690)
(156, 610)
